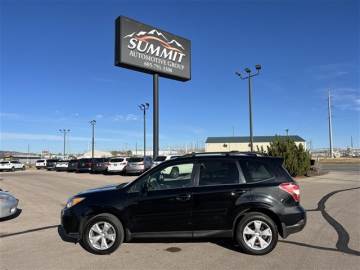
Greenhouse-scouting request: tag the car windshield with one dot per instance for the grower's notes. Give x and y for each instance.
(135, 159)
(160, 158)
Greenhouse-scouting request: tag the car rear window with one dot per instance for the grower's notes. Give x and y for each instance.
(160, 158)
(40, 160)
(135, 159)
(256, 171)
(4, 162)
(217, 172)
(117, 160)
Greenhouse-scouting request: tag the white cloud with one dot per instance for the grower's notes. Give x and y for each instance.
(128, 117)
(346, 98)
(99, 116)
(10, 136)
(10, 116)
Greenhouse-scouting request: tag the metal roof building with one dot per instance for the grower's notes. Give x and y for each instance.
(221, 144)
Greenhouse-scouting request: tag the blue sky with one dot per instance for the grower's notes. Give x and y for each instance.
(57, 72)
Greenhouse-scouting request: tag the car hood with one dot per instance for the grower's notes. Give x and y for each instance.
(102, 189)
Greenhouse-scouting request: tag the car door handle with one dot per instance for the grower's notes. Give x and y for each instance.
(183, 197)
(238, 192)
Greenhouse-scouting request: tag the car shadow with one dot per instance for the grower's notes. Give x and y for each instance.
(5, 235)
(342, 243)
(18, 212)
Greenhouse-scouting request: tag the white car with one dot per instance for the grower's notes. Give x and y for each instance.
(61, 165)
(8, 204)
(11, 165)
(138, 165)
(161, 159)
(117, 165)
(40, 164)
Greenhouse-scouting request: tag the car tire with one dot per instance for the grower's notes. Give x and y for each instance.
(256, 233)
(88, 240)
(13, 169)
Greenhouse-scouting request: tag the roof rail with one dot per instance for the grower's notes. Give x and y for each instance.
(231, 153)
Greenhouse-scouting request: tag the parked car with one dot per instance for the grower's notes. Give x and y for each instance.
(51, 164)
(247, 197)
(161, 159)
(61, 165)
(8, 204)
(117, 165)
(138, 164)
(99, 165)
(12, 165)
(72, 165)
(84, 165)
(40, 164)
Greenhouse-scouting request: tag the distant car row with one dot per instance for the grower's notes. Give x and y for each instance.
(102, 165)
(12, 165)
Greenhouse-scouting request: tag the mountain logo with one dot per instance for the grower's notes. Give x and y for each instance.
(155, 35)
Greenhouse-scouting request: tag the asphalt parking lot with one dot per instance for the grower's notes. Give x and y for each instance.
(331, 239)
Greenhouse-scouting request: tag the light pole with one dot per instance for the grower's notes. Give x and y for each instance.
(248, 77)
(144, 107)
(64, 132)
(93, 123)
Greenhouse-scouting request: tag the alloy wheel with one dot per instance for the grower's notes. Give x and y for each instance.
(102, 235)
(257, 235)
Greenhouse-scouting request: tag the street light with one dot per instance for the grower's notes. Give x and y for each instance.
(144, 107)
(64, 132)
(248, 77)
(93, 123)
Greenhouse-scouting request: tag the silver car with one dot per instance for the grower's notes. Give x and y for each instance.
(8, 204)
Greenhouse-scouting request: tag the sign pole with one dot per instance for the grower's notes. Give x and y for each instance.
(155, 115)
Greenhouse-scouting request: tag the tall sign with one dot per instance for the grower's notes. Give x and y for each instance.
(148, 49)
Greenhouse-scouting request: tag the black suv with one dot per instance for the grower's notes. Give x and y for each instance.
(246, 197)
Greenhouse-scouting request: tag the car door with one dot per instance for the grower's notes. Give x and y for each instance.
(220, 183)
(166, 204)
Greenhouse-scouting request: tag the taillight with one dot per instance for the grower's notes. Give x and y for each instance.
(292, 189)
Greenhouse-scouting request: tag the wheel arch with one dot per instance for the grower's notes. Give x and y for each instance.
(112, 211)
(260, 209)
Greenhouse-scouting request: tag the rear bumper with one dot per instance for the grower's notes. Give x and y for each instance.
(83, 170)
(294, 221)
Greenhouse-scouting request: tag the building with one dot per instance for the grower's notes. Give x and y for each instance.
(227, 144)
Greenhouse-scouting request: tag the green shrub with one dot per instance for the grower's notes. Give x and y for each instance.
(296, 158)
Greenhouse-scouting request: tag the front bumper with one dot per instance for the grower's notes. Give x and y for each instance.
(8, 208)
(69, 227)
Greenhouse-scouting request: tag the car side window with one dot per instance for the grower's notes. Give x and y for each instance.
(218, 172)
(256, 171)
(171, 177)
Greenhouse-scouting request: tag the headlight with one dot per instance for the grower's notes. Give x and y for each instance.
(73, 201)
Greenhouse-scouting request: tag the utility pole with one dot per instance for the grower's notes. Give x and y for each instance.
(352, 145)
(144, 107)
(28, 154)
(330, 126)
(64, 132)
(248, 77)
(287, 132)
(93, 123)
